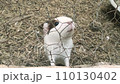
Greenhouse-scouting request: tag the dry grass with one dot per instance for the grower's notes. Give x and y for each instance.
(97, 36)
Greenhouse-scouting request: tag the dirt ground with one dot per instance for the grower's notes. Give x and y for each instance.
(97, 65)
(96, 38)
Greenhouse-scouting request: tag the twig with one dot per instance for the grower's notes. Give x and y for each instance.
(18, 18)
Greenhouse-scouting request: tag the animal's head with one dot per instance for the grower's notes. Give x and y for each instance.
(64, 26)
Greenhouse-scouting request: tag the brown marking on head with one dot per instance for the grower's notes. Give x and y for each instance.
(51, 24)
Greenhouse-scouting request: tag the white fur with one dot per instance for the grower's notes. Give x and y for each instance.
(58, 43)
(115, 5)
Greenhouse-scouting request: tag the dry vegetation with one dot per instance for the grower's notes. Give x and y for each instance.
(96, 39)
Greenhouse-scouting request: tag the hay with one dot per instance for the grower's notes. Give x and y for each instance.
(96, 39)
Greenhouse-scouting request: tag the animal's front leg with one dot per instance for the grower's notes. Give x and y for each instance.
(52, 63)
(67, 62)
(67, 53)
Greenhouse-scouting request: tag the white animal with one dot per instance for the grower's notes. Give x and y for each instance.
(115, 5)
(58, 41)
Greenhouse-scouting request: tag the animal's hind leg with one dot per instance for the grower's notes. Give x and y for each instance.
(52, 60)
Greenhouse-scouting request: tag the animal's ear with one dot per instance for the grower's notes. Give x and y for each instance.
(48, 25)
(46, 28)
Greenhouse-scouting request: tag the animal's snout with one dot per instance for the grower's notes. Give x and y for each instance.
(71, 26)
(69, 22)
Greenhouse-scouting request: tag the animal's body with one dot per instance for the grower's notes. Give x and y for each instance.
(58, 41)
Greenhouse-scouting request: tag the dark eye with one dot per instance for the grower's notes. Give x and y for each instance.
(56, 23)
